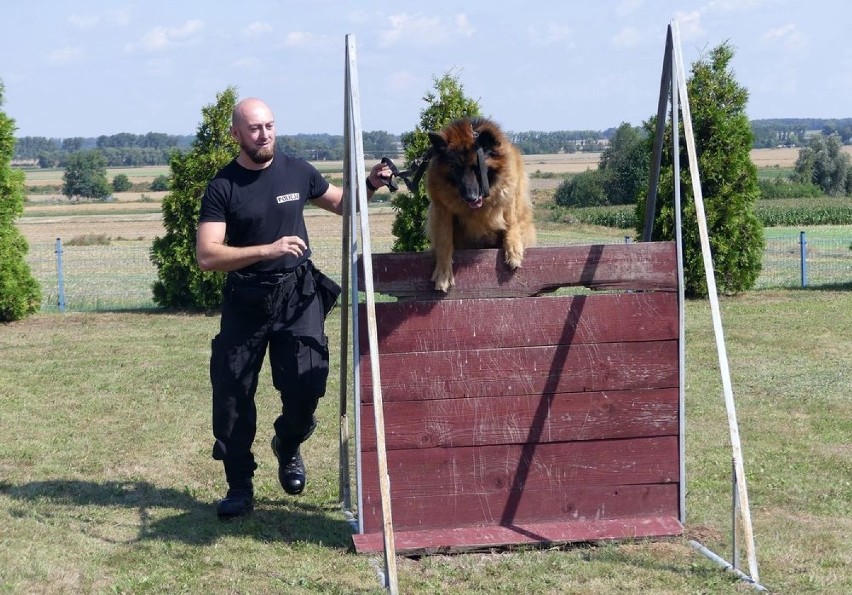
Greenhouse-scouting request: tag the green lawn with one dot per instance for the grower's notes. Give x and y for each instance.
(107, 485)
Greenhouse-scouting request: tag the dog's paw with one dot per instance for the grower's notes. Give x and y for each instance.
(443, 279)
(514, 256)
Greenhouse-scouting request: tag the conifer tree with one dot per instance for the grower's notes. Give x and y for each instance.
(723, 139)
(182, 284)
(20, 294)
(445, 104)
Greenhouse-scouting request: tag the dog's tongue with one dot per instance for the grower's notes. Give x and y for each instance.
(476, 203)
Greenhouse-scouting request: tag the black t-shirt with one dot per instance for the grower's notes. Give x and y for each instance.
(261, 206)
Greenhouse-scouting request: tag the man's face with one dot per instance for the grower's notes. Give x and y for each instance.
(256, 135)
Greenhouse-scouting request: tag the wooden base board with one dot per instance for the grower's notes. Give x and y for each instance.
(466, 539)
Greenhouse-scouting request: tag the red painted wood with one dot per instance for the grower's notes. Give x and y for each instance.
(524, 371)
(556, 465)
(485, 323)
(483, 273)
(528, 420)
(577, 503)
(469, 539)
(502, 476)
(520, 419)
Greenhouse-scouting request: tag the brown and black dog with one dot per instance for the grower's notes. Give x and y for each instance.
(478, 195)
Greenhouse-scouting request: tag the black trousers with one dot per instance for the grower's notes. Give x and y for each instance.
(285, 315)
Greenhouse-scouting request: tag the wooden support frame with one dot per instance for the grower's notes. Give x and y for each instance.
(598, 506)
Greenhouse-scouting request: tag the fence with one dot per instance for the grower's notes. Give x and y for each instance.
(119, 276)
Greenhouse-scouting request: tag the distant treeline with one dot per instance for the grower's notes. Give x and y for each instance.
(127, 150)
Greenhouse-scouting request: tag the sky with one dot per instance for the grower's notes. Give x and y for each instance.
(100, 67)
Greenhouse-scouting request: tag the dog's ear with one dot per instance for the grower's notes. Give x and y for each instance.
(487, 140)
(438, 141)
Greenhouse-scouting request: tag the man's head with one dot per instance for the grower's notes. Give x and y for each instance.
(253, 127)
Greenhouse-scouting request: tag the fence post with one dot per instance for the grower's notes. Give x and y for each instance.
(59, 275)
(803, 247)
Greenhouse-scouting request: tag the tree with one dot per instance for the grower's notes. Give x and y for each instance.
(86, 175)
(181, 283)
(446, 104)
(20, 294)
(723, 139)
(824, 164)
(627, 161)
(621, 176)
(121, 183)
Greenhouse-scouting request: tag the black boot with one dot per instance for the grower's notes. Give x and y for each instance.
(239, 501)
(291, 468)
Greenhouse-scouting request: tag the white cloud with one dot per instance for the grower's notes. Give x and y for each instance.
(257, 29)
(551, 34)
(112, 17)
(788, 35)
(628, 7)
(628, 37)
(463, 25)
(689, 24)
(422, 30)
(253, 64)
(65, 55)
(163, 38)
(402, 80)
(728, 6)
(299, 39)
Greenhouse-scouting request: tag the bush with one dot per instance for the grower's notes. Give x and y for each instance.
(786, 188)
(121, 183)
(587, 189)
(160, 184)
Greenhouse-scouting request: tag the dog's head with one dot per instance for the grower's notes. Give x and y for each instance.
(466, 155)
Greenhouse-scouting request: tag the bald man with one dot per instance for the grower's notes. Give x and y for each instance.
(252, 226)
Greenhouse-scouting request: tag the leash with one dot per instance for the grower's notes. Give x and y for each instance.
(418, 168)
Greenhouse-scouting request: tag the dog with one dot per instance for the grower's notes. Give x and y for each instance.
(478, 196)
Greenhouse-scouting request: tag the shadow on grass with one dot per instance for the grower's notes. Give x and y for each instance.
(172, 515)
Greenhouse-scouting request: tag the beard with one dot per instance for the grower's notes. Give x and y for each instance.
(260, 155)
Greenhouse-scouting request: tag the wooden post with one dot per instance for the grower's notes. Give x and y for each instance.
(353, 113)
(715, 310)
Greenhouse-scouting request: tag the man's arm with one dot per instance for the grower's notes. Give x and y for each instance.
(332, 200)
(213, 254)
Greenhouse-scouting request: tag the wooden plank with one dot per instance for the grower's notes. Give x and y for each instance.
(471, 539)
(499, 468)
(524, 371)
(501, 476)
(483, 273)
(576, 503)
(465, 324)
(517, 419)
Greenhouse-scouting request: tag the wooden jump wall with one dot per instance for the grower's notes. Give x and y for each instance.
(517, 415)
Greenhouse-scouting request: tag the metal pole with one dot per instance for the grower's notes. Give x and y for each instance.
(715, 310)
(653, 180)
(372, 327)
(60, 276)
(803, 258)
(735, 512)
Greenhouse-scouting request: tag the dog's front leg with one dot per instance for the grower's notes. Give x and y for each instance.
(513, 241)
(441, 237)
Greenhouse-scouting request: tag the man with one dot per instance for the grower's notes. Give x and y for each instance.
(252, 226)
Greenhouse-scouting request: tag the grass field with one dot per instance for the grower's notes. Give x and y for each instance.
(108, 485)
